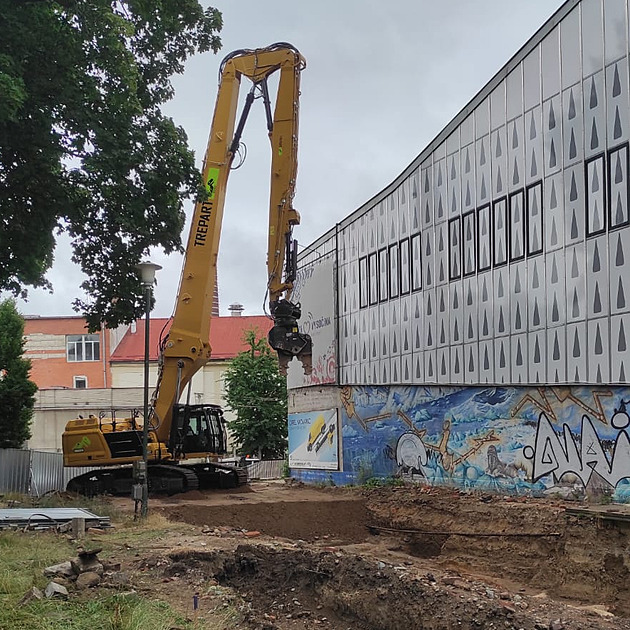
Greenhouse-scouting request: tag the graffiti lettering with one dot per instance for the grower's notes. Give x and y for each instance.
(557, 456)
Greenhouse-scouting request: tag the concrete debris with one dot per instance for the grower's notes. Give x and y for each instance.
(88, 579)
(56, 590)
(63, 569)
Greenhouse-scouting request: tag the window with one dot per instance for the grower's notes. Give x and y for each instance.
(416, 262)
(454, 229)
(364, 282)
(595, 195)
(373, 283)
(469, 239)
(383, 275)
(80, 382)
(405, 267)
(483, 238)
(394, 270)
(83, 348)
(500, 240)
(517, 226)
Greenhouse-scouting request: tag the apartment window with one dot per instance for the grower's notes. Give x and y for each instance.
(83, 348)
(80, 382)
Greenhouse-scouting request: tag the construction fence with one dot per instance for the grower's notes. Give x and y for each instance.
(266, 469)
(37, 472)
(34, 472)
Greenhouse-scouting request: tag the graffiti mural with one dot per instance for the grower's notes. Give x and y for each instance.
(566, 441)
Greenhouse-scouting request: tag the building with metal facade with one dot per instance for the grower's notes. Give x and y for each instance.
(476, 317)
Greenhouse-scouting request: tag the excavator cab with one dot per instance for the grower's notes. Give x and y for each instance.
(197, 430)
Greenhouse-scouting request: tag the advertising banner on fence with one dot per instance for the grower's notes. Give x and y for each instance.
(314, 440)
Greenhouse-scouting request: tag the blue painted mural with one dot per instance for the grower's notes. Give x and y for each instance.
(566, 441)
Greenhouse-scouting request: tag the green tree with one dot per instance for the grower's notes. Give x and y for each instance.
(16, 390)
(84, 146)
(257, 393)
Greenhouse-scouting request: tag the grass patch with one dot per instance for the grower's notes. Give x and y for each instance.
(23, 556)
(113, 612)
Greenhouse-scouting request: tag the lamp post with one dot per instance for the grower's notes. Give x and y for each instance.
(147, 274)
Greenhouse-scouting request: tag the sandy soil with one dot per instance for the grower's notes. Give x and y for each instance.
(289, 556)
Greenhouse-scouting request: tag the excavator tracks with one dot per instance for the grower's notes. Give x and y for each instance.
(215, 476)
(163, 479)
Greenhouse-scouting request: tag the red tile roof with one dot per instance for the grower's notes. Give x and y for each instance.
(226, 337)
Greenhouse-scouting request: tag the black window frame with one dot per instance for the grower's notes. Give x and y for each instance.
(496, 205)
(520, 192)
(364, 282)
(394, 247)
(451, 275)
(469, 215)
(383, 256)
(480, 209)
(416, 278)
(373, 288)
(404, 246)
(528, 190)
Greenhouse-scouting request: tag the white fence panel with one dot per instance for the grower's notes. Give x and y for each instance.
(267, 469)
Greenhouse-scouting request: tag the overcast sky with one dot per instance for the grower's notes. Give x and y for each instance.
(382, 80)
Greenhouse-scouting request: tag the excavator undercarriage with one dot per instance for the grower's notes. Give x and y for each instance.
(166, 479)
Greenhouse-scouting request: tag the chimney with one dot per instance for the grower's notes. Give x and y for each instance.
(134, 327)
(236, 309)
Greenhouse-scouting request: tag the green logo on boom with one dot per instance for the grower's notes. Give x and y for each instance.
(82, 444)
(211, 184)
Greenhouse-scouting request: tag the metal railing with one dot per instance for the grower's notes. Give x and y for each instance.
(266, 469)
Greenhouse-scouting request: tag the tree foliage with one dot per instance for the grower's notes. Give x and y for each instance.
(16, 390)
(84, 146)
(257, 393)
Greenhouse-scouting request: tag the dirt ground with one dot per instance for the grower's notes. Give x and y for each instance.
(288, 556)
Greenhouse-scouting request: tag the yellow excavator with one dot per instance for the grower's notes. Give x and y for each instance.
(178, 432)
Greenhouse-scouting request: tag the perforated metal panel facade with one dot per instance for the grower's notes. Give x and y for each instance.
(501, 255)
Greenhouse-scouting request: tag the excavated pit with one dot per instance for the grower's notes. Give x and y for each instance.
(410, 557)
(282, 588)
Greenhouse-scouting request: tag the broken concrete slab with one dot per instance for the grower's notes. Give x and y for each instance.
(56, 590)
(64, 569)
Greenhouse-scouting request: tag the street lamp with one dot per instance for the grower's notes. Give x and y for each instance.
(147, 274)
